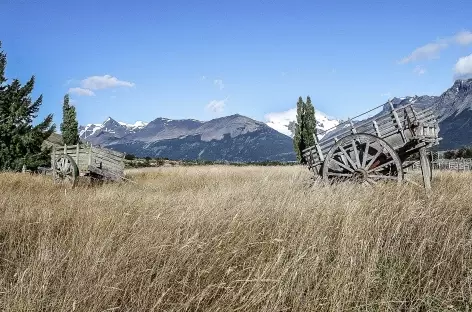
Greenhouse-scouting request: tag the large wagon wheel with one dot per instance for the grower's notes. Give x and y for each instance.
(362, 158)
(66, 171)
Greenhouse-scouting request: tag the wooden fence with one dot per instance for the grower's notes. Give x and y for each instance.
(446, 164)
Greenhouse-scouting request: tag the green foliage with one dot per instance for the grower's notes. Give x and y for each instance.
(20, 140)
(130, 157)
(69, 125)
(305, 127)
(464, 152)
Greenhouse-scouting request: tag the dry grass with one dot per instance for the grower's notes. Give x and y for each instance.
(234, 239)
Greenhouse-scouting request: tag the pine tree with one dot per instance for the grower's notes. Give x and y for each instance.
(69, 125)
(20, 140)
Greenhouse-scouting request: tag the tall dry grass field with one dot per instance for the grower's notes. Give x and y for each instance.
(234, 239)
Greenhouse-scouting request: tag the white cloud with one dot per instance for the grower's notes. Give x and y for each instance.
(216, 106)
(463, 67)
(428, 51)
(386, 94)
(72, 102)
(433, 49)
(219, 83)
(104, 82)
(81, 91)
(203, 78)
(464, 37)
(419, 70)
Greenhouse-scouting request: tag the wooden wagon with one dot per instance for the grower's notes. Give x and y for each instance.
(376, 148)
(96, 163)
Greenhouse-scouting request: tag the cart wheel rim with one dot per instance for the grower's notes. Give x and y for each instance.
(66, 171)
(362, 158)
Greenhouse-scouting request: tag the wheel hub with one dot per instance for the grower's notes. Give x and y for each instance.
(360, 174)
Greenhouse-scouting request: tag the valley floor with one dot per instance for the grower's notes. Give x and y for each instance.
(223, 238)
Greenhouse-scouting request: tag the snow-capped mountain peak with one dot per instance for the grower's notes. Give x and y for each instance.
(137, 125)
(284, 122)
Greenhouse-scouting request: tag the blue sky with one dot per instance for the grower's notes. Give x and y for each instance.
(138, 60)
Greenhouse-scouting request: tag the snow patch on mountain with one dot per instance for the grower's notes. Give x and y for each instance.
(284, 122)
(137, 125)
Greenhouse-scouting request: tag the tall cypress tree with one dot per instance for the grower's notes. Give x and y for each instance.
(69, 125)
(298, 142)
(20, 140)
(309, 122)
(305, 127)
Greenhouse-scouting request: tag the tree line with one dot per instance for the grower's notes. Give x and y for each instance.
(21, 142)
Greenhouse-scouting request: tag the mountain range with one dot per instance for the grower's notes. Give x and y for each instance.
(240, 138)
(232, 138)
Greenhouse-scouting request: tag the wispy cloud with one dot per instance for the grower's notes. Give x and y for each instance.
(419, 70)
(432, 50)
(219, 83)
(428, 51)
(104, 82)
(203, 78)
(81, 91)
(463, 68)
(386, 94)
(463, 38)
(216, 106)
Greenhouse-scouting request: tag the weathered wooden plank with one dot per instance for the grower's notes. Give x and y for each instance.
(107, 164)
(107, 156)
(107, 159)
(96, 149)
(425, 169)
(105, 173)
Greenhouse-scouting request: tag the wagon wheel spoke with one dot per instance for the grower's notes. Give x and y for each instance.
(381, 166)
(66, 171)
(380, 176)
(366, 154)
(373, 159)
(342, 165)
(349, 159)
(365, 158)
(337, 174)
(356, 154)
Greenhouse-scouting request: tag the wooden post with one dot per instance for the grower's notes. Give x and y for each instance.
(397, 119)
(376, 127)
(53, 162)
(353, 129)
(65, 149)
(90, 155)
(77, 154)
(318, 148)
(425, 169)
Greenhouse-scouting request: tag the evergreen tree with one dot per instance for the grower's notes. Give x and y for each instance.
(298, 143)
(69, 125)
(309, 122)
(20, 140)
(305, 127)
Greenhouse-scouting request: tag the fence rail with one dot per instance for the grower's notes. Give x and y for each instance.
(446, 164)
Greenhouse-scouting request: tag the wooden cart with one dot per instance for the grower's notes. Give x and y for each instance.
(96, 163)
(376, 148)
